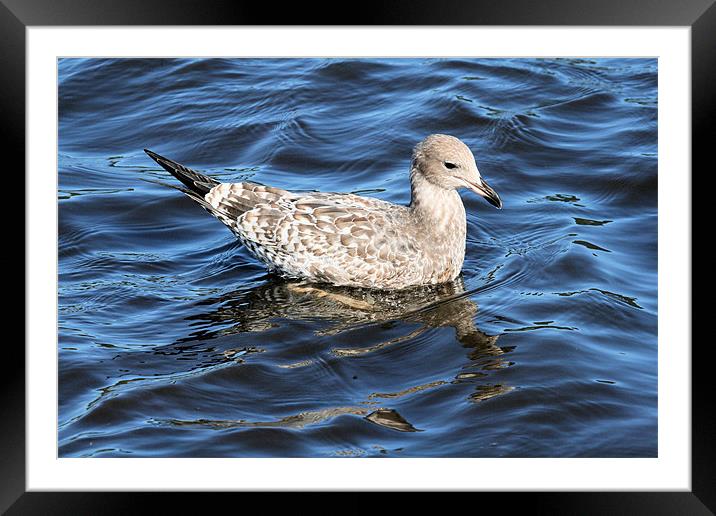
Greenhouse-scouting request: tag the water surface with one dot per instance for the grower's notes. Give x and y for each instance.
(174, 342)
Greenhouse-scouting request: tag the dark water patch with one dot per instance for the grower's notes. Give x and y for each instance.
(542, 327)
(589, 222)
(589, 245)
(563, 198)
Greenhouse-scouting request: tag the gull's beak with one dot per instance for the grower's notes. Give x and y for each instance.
(485, 191)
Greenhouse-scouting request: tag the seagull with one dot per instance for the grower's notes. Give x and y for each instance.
(350, 240)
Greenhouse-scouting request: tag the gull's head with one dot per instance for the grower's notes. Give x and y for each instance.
(447, 162)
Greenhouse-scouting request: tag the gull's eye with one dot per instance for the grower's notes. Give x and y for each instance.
(450, 165)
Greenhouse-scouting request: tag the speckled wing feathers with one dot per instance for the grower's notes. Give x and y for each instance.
(338, 238)
(230, 200)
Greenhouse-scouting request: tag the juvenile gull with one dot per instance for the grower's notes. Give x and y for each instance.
(346, 239)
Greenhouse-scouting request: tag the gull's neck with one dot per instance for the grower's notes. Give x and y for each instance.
(439, 217)
(439, 207)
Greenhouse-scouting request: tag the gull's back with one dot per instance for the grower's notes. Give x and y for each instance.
(343, 239)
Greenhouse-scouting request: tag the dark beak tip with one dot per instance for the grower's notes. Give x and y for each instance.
(486, 191)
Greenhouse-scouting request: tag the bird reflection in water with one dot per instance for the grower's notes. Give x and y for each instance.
(277, 303)
(342, 309)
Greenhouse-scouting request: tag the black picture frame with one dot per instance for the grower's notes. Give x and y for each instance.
(17, 15)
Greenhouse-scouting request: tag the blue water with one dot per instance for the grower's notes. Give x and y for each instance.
(175, 342)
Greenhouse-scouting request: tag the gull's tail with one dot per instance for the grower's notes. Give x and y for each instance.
(224, 205)
(197, 183)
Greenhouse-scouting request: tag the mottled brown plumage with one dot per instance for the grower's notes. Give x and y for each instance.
(347, 239)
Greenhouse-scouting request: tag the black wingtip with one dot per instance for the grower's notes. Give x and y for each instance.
(170, 166)
(153, 155)
(196, 182)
